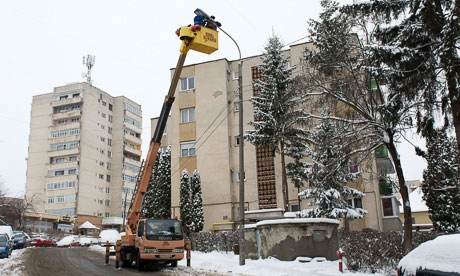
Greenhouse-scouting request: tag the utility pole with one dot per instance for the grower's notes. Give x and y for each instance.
(241, 152)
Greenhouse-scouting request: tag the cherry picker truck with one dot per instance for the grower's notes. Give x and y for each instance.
(152, 240)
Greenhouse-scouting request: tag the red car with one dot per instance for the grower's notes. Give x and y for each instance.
(42, 241)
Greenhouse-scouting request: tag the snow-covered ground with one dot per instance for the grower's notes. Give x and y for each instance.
(223, 263)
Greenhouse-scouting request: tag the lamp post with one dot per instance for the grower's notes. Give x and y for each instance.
(241, 152)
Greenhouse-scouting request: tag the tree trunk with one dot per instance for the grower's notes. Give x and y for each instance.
(404, 191)
(284, 179)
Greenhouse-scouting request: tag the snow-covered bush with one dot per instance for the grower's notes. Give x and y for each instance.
(374, 251)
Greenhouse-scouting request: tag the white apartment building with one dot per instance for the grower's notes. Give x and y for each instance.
(203, 133)
(84, 153)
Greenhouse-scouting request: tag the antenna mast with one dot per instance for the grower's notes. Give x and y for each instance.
(89, 61)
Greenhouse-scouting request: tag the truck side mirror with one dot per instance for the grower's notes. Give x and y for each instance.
(140, 229)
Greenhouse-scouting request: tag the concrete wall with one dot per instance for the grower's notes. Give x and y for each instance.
(287, 239)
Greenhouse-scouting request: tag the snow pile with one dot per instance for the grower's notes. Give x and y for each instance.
(12, 266)
(441, 254)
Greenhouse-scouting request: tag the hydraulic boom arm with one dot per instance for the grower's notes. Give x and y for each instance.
(199, 38)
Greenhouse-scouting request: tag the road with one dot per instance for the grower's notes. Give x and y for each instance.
(79, 261)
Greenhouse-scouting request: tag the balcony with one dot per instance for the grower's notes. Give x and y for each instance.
(132, 139)
(385, 188)
(131, 150)
(383, 163)
(381, 152)
(66, 101)
(131, 161)
(63, 152)
(67, 114)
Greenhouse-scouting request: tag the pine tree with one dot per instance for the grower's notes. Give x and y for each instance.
(343, 67)
(157, 200)
(185, 202)
(329, 176)
(276, 107)
(441, 181)
(197, 214)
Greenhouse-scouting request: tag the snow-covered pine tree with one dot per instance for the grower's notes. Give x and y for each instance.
(157, 200)
(149, 208)
(185, 200)
(441, 181)
(277, 113)
(330, 173)
(196, 213)
(344, 67)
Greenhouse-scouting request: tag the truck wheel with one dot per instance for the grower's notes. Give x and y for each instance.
(139, 262)
(174, 264)
(124, 262)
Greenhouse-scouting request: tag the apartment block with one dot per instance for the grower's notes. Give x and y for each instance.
(203, 133)
(84, 153)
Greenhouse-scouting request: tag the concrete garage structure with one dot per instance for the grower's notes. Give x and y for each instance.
(287, 239)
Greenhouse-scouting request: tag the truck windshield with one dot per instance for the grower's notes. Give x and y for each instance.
(162, 228)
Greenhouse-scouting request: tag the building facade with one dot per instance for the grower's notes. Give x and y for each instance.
(84, 153)
(203, 133)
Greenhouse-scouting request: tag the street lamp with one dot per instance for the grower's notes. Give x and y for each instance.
(241, 152)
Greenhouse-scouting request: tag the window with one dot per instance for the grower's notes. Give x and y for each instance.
(101, 176)
(236, 106)
(75, 95)
(110, 118)
(107, 202)
(100, 201)
(58, 173)
(187, 149)
(59, 160)
(353, 165)
(187, 115)
(109, 141)
(102, 139)
(388, 206)
(109, 166)
(103, 115)
(238, 176)
(109, 154)
(110, 107)
(235, 75)
(72, 171)
(187, 83)
(108, 178)
(63, 97)
(72, 158)
(109, 130)
(355, 203)
(107, 190)
(237, 141)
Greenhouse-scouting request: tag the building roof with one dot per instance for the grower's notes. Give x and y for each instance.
(417, 204)
(87, 225)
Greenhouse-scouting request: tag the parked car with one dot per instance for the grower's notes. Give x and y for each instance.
(6, 246)
(20, 239)
(440, 256)
(6, 229)
(67, 241)
(42, 241)
(86, 241)
(110, 235)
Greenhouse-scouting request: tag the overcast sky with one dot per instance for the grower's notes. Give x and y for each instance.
(43, 42)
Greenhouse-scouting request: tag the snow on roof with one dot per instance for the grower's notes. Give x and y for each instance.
(88, 225)
(417, 204)
(264, 211)
(297, 220)
(440, 254)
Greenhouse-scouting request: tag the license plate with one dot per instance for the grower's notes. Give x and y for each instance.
(163, 256)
